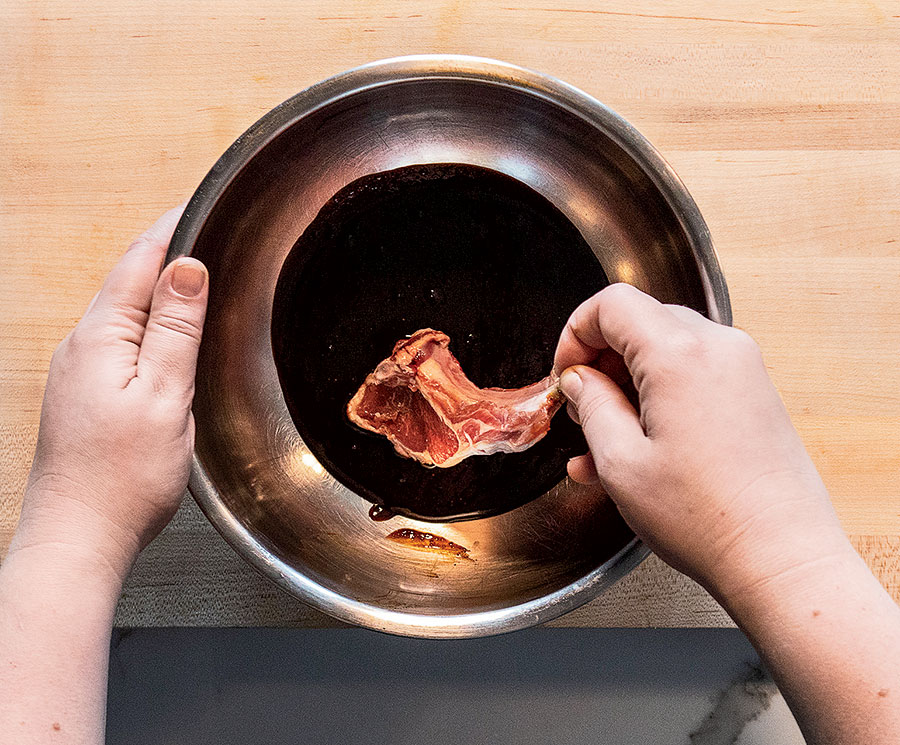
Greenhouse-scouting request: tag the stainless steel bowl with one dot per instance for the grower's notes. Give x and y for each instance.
(252, 474)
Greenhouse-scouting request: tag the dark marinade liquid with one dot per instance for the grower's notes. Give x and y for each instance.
(463, 249)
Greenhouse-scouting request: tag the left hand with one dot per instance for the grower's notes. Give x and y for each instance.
(116, 432)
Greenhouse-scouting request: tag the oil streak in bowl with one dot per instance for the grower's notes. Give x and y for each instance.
(418, 540)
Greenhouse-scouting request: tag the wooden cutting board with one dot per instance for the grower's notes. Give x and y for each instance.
(783, 121)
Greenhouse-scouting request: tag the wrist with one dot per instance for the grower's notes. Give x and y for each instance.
(773, 535)
(60, 570)
(781, 571)
(60, 528)
(64, 562)
(51, 587)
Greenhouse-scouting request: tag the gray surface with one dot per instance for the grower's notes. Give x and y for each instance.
(190, 577)
(641, 687)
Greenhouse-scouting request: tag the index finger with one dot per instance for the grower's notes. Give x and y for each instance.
(619, 317)
(130, 283)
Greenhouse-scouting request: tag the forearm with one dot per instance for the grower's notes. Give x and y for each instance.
(111, 464)
(56, 613)
(830, 635)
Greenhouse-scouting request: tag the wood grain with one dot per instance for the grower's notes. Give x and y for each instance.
(781, 119)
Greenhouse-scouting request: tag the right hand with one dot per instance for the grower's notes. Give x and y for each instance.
(711, 474)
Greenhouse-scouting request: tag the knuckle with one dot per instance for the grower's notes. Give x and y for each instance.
(614, 293)
(677, 355)
(58, 358)
(611, 454)
(743, 342)
(181, 325)
(141, 243)
(119, 314)
(617, 454)
(173, 394)
(124, 307)
(74, 344)
(161, 413)
(64, 345)
(684, 343)
(591, 409)
(144, 242)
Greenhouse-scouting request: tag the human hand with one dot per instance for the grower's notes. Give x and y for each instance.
(116, 432)
(711, 474)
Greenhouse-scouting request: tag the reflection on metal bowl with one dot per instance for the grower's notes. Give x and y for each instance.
(253, 475)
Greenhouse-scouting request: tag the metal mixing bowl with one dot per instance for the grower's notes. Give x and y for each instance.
(252, 474)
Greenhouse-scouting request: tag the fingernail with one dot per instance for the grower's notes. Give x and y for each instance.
(188, 277)
(570, 384)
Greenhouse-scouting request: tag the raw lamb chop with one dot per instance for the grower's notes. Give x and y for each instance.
(420, 399)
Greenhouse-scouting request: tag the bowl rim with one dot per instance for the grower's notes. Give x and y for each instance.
(392, 71)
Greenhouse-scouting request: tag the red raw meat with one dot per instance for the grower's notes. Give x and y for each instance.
(420, 399)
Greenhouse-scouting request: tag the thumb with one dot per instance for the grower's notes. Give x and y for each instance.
(168, 356)
(611, 425)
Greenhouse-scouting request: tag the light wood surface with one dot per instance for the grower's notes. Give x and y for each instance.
(782, 119)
